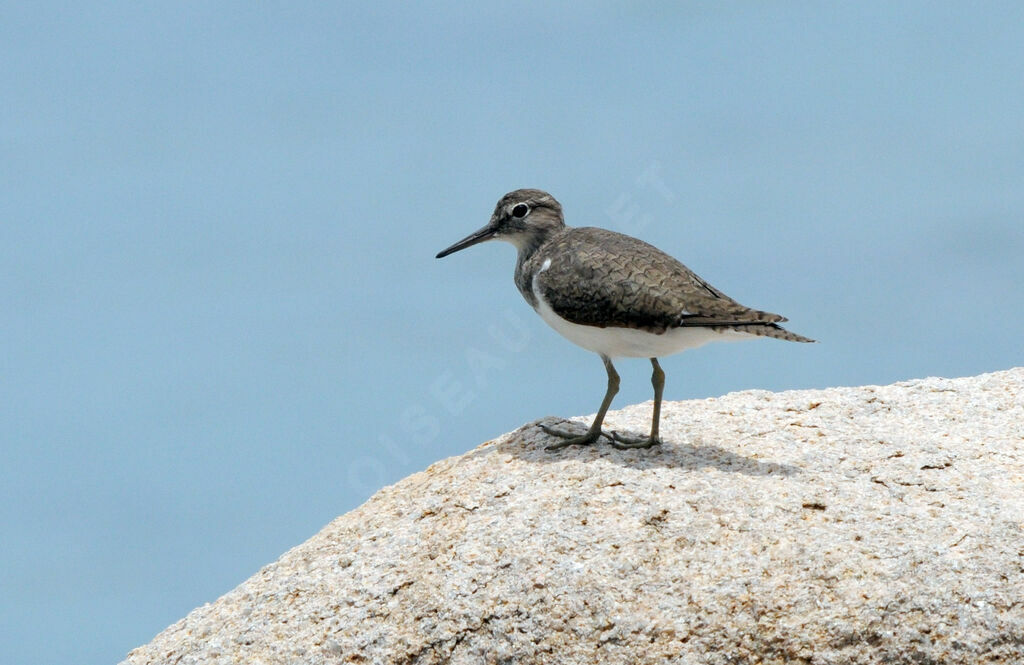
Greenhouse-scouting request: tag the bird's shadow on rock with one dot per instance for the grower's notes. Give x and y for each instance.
(530, 442)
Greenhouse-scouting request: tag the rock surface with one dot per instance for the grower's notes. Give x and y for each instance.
(849, 525)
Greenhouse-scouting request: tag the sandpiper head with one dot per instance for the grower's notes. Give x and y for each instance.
(523, 217)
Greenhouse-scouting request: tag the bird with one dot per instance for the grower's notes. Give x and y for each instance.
(614, 295)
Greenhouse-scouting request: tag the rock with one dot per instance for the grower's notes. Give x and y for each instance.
(849, 525)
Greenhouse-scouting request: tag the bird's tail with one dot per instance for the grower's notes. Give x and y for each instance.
(768, 330)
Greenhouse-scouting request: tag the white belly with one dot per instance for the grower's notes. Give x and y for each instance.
(631, 342)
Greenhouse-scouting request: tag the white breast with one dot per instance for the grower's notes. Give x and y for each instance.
(629, 342)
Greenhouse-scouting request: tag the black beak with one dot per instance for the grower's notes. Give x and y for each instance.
(480, 235)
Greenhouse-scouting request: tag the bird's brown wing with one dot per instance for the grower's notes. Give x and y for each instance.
(602, 278)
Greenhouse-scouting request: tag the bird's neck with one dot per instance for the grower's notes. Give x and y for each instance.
(528, 247)
(530, 242)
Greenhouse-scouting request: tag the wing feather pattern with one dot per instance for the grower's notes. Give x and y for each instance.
(620, 281)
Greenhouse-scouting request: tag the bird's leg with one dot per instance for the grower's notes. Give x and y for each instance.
(595, 428)
(658, 381)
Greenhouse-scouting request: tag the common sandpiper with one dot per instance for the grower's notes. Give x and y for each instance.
(614, 295)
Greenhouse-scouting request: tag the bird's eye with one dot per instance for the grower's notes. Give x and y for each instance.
(520, 210)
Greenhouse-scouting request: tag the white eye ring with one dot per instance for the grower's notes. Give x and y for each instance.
(520, 210)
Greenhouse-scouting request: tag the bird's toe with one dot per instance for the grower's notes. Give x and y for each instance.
(626, 442)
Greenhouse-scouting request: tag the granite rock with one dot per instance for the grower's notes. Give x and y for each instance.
(877, 524)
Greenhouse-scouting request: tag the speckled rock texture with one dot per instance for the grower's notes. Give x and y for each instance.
(841, 526)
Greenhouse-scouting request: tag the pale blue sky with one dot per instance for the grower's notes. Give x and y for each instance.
(221, 322)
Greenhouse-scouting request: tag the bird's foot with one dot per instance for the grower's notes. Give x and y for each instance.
(571, 438)
(627, 443)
